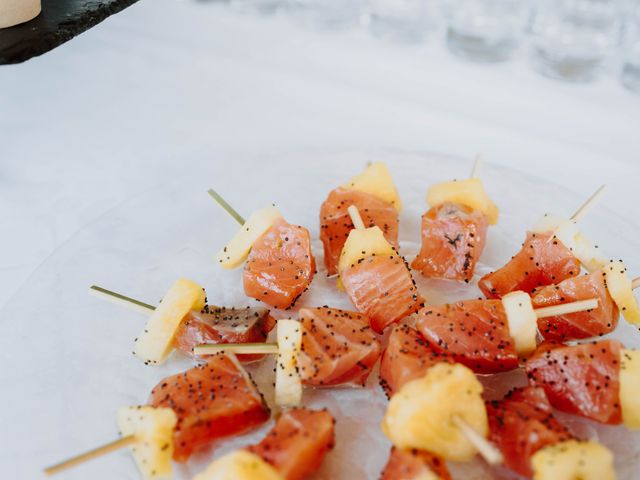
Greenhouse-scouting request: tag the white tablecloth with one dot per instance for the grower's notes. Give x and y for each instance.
(139, 97)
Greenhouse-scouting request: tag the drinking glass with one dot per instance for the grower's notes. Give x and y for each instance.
(327, 14)
(486, 30)
(401, 20)
(263, 7)
(574, 39)
(630, 75)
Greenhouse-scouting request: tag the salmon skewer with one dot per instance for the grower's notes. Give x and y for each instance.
(292, 450)
(375, 277)
(489, 336)
(327, 347)
(183, 320)
(186, 412)
(535, 444)
(277, 257)
(597, 380)
(552, 252)
(374, 195)
(454, 229)
(442, 413)
(614, 291)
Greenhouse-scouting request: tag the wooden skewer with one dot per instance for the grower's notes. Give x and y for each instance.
(489, 452)
(356, 218)
(227, 208)
(477, 164)
(238, 348)
(572, 307)
(588, 204)
(121, 299)
(635, 283)
(91, 454)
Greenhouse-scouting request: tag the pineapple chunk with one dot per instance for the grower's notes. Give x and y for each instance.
(630, 388)
(567, 232)
(239, 465)
(469, 192)
(155, 343)
(237, 250)
(420, 415)
(153, 430)
(376, 180)
(288, 390)
(573, 460)
(523, 324)
(620, 288)
(363, 244)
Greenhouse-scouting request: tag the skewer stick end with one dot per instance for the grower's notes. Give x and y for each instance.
(485, 448)
(356, 218)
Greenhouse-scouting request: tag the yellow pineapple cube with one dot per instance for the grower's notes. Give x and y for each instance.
(153, 431)
(422, 413)
(239, 465)
(234, 253)
(620, 288)
(376, 180)
(362, 244)
(288, 391)
(469, 192)
(573, 460)
(155, 343)
(523, 323)
(630, 388)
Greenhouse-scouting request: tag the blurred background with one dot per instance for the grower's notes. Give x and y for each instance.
(550, 88)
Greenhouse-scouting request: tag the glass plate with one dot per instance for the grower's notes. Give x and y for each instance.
(67, 356)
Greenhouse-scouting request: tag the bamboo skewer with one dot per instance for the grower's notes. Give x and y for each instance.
(91, 454)
(588, 204)
(485, 448)
(355, 217)
(562, 309)
(237, 348)
(635, 283)
(477, 164)
(120, 299)
(227, 208)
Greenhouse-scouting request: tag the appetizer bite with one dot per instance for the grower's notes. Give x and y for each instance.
(278, 263)
(536, 445)
(186, 412)
(376, 279)
(213, 400)
(597, 380)
(552, 252)
(147, 431)
(293, 449)
(442, 413)
(454, 229)
(610, 285)
(183, 320)
(489, 336)
(327, 347)
(375, 196)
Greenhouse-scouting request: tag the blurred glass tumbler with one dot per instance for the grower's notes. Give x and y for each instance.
(486, 30)
(574, 39)
(630, 75)
(400, 20)
(327, 14)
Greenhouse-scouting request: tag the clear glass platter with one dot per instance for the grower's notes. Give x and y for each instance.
(67, 361)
